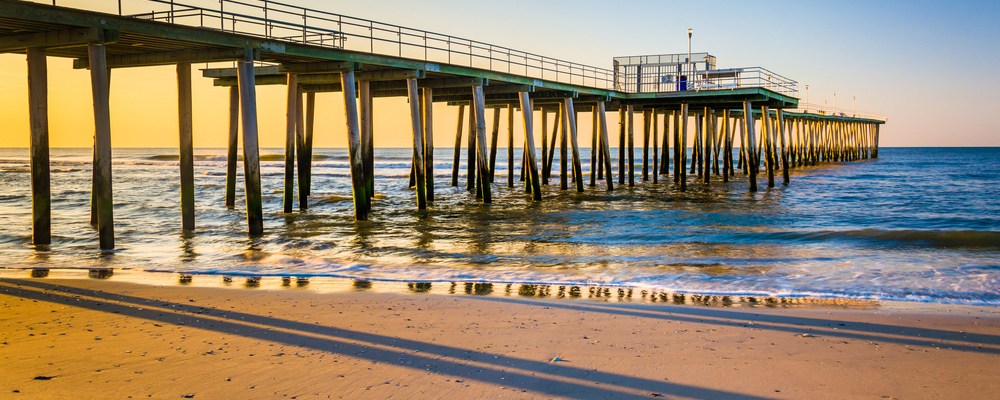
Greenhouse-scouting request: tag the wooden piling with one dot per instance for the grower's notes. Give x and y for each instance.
(646, 121)
(291, 122)
(665, 161)
(545, 146)
(301, 152)
(751, 144)
(185, 121)
(552, 146)
(727, 148)
(470, 153)
(780, 121)
(534, 181)
(682, 175)
(358, 180)
(768, 141)
(367, 115)
(570, 121)
(656, 158)
(708, 133)
(305, 171)
(484, 167)
(605, 150)
(678, 150)
(622, 121)
(458, 146)
(251, 152)
(234, 129)
(418, 142)
(102, 124)
(593, 146)
(427, 99)
(510, 146)
(696, 146)
(493, 143)
(631, 147)
(38, 114)
(564, 118)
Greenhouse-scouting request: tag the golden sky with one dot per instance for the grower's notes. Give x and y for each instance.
(144, 111)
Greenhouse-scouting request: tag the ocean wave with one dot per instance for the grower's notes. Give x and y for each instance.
(946, 239)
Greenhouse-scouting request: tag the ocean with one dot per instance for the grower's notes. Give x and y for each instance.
(916, 224)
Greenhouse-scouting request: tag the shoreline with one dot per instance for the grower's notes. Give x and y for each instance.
(111, 338)
(556, 291)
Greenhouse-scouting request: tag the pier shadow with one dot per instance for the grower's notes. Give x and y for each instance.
(904, 335)
(539, 377)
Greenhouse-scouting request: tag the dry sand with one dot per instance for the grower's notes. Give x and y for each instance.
(89, 338)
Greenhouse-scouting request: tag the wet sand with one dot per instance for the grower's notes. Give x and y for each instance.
(91, 338)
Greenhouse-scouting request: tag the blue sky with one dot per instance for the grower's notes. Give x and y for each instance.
(930, 66)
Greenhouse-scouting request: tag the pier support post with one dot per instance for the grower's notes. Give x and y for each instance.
(552, 146)
(656, 158)
(427, 99)
(545, 146)
(38, 114)
(622, 120)
(605, 150)
(534, 181)
(185, 123)
(479, 101)
(495, 135)
(418, 142)
(751, 144)
(570, 120)
(631, 147)
(593, 147)
(102, 138)
(367, 115)
(665, 151)
(470, 153)
(780, 121)
(564, 117)
(510, 145)
(358, 180)
(305, 160)
(646, 121)
(727, 147)
(251, 152)
(234, 129)
(683, 146)
(768, 139)
(291, 123)
(458, 146)
(708, 132)
(678, 150)
(301, 151)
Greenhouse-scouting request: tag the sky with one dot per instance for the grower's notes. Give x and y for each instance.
(928, 66)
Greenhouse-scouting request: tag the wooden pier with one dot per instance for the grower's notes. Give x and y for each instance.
(311, 51)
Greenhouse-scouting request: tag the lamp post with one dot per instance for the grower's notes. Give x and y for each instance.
(854, 106)
(834, 102)
(807, 98)
(690, 61)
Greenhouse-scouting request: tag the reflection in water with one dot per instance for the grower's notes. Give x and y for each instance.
(419, 287)
(362, 285)
(252, 282)
(184, 279)
(39, 272)
(850, 230)
(102, 273)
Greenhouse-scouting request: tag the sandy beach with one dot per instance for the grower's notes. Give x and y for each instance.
(90, 338)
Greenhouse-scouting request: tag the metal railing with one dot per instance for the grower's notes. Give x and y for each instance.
(278, 21)
(285, 22)
(825, 110)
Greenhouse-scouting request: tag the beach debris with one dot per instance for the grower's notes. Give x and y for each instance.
(45, 377)
(558, 359)
(188, 396)
(806, 335)
(654, 394)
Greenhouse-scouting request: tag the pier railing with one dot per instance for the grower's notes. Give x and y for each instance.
(285, 22)
(280, 21)
(825, 110)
